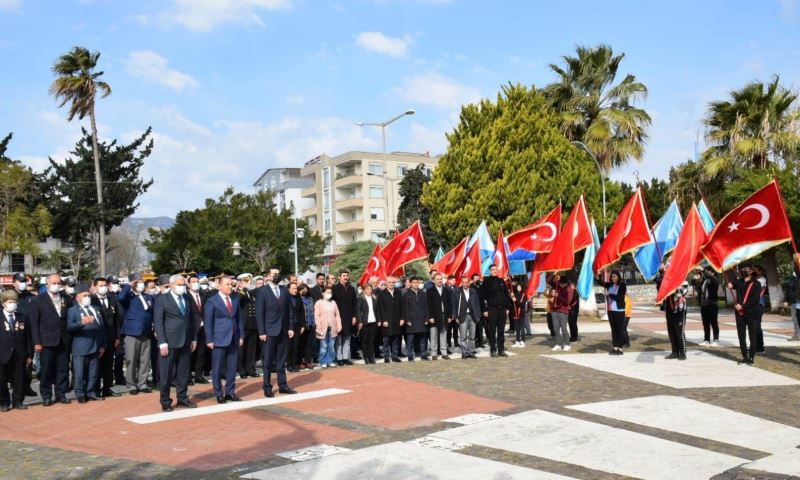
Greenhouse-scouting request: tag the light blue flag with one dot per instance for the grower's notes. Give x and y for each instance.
(705, 216)
(665, 234)
(515, 267)
(585, 283)
(484, 240)
(439, 255)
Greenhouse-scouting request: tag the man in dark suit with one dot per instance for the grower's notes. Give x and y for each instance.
(137, 327)
(390, 306)
(440, 311)
(177, 338)
(467, 311)
(48, 318)
(273, 317)
(24, 301)
(111, 313)
(15, 354)
(119, 351)
(196, 307)
(345, 296)
(224, 327)
(415, 317)
(316, 290)
(88, 345)
(248, 355)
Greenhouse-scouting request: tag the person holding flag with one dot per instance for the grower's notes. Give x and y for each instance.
(616, 309)
(497, 301)
(675, 308)
(747, 290)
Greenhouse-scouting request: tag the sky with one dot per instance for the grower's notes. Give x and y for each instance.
(233, 87)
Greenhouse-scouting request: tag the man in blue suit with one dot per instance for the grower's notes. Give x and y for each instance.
(136, 327)
(224, 328)
(88, 345)
(273, 319)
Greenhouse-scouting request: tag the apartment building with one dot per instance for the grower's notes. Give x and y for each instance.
(288, 185)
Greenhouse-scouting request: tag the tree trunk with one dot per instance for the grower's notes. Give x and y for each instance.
(98, 178)
(773, 280)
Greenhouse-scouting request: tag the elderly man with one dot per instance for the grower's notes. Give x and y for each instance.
(177, 339)
(48, 318)
(223, 323)
(14, 352)
(137, 326)
(88, 345)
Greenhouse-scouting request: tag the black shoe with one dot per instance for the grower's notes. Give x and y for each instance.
(762, 351)
(681, 357)
(220, 399)
(200, 380)
(242, 375)
(146, 390)
(82, 400)
(426, 358)
(386, 360)
(190, 382)
(269, 394)
(63, 400)
(233, 398)
(253, 374)
(135, 391)
(627, 345)
(473, 356)
(751, 361)
(397, 360)
(287, 391)
(671, 356)
(167, 408)
(186, 403)
(348, 362)
(410, 359)
(95, 398)
(20, 406)
(47, 403)
(109, 393)
(493, 354)
(434, 358)
(446, 357)
(29, 392)
(464, 357)
(743, 361)
(502, 354)
(4, 408)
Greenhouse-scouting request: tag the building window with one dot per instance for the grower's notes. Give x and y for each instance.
(428, 172)
(376, 191)
(17, 262)
(376, 213)
(401, 171)
(326, 199)
(354, 215)
(327, 223)
(272, 183)
(326, 177)
(375, 169)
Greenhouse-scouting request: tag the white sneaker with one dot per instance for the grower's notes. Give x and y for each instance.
(332, 365)
(521, 344)
(567, 348)
(715, 343)
(325, 366)
(706, 344)
(557, 348)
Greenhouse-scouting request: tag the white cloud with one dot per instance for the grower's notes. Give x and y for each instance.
(380, 43)
(10, 5)
(152, 67)
(439, 91)
(205, 15)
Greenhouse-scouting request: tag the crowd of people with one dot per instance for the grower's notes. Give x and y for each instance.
(183, 328)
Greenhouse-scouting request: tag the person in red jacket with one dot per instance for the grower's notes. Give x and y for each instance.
(562, 303)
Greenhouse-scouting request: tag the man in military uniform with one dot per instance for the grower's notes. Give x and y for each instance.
(247, 358)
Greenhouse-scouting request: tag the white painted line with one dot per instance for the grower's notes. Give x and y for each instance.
(591, 445)
(729, 338)
(402, 460)
(787, 463)
(698, 419)
(233, 406)
(471, 418)
(700, 370)
(439, 443)
(312, 453)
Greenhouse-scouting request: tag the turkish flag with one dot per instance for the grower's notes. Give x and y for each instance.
(582, 234)
(562, 255)
(375, 267)
(537, 237)
(405, 247)
(471, 264)
(533, 284)
(756, 225)
(630, 231)
(452, 259)
(500, 257)
(685, 256)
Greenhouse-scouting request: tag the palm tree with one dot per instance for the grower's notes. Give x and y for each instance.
(597, 112)
(78, 84)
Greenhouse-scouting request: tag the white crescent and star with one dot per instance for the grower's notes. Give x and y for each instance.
(469, 264)
(377, 264)
(450, 258)
(760, 209)
(627, 228)
(411, 244)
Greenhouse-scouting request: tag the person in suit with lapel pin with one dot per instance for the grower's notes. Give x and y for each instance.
(137, 326)
(177, 339)
(274, 318)
(88, 345)
(15, 353)
(111, 313)
(224, 329)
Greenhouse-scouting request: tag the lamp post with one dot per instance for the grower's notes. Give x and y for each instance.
(383, 126)
(602, 180)
(237, 251)
(298, 233)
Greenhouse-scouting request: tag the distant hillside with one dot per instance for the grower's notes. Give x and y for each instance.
(129, 236)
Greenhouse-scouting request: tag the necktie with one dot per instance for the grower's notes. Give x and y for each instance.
(11, 320)
(181, 305)
(276, 291)
(228, 305)
(105, 303)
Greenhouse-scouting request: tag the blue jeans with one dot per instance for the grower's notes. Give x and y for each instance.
(416, 342)
(327, 352)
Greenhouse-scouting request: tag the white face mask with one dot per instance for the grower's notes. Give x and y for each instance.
(86, 301)
(421, 286)
(212, 285)
(203, 286)
(196, 286)
(153, 291)
(70, 290)
(102, 290)
(327, 296)
(54, 288)
(114, 288)
(22, 286)
(179, 289)
(140, 287)
(10, 307)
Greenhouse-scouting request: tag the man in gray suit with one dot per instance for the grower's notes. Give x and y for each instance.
(467, 310)
(177, 339)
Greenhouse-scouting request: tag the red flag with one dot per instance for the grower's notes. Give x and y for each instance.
(500, 258)
(756, 225)
(537, 237)
(685, 256)
(471, 264)
(533, 284)
(405, 247)
(630, 231)
(375, 267)
(452, 259)
(582, 234)
(562, 255)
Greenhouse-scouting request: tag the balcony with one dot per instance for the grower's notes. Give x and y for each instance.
(349, 203)
(350, 226)
(348, 180)
(309, 192)
(309, 212)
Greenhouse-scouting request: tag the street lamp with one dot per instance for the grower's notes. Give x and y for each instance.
(602, 180)
(237, 249)
(298, 233)
(383, 126)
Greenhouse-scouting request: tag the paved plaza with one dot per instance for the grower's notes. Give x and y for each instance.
(534, 415)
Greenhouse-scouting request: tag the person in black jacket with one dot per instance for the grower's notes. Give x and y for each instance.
(200, 354)
(440, 310)
(249, 353)
(748, 312)
(51, 340)
(707, 285)
(344, 295)
(415, 317)
(111, 313)
(15, 355)
(297, 322)
(390, 306)
(369, 318)
(616, 309)
(24, 301)
(675, 308)
(497, 301)
(467, 309)
(792, 301)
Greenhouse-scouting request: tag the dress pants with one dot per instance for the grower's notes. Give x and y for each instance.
(452, 336)
(796, 322)
(437, 340)
(710, 315)
(617, 320)
(119, 362)
(573, 324)
(293, 349)
(391, 347)
(676, 328)
(175, 365)
(106, 375)
(87, 368)
(495, 328)
(343, 346)
(304, 354)
(224, 357)
(248, 355)
(137, 361)
(274, 358)
(747, 326)
(467, 335)
(368, 333)
(480, 326)
(12, 371)
(200, 354)
(154, 359)
(54, 372)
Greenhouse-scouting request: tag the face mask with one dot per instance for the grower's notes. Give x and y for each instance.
(195, 286)
(153, 291)
(70, 290)
(327, 296)
(54, 288)
(10, 307)
(22, 286)
(114, 288)
(212, 285)
(102, 290)
(140, 287)
(179, 289)
(398, 284)
(203, 286)
(86, 301)
(421, 286)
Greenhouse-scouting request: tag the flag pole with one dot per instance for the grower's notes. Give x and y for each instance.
(785, 216)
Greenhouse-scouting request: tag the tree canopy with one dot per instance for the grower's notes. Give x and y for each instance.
(412, 209)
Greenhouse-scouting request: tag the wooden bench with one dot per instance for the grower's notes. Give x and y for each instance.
(539, 305)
